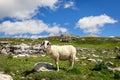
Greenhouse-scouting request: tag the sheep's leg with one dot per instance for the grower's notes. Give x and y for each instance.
(57, 64)
(71, 61)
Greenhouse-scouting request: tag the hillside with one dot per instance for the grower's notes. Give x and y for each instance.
(98, 57)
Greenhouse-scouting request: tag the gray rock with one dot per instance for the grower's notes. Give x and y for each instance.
(83, 58)
(3, 51)
(110, 63)
(95, 55)
(43, 66)
(21, 56)
(92, 60)
(114, 69)
(5, 77)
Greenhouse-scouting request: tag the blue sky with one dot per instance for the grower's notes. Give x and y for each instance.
(40, 18)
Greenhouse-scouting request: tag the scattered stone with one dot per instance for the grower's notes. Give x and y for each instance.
(95, 60)
(107, 51)
(43, 55)
(43, 66)
(5, 77)
(104, 51)
(3, 51)
(92, 60)
(76, 59)
(99, 60)
(113, 57)
(114, 69)
(110, 63)
(95, 55)
(83, 58)
(21, 56)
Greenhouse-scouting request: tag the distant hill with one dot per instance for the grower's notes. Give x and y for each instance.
(91, 35)
(69, 35)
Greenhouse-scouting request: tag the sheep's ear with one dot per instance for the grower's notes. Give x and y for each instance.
(42, 44)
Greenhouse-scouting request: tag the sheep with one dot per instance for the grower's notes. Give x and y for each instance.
(66, 52)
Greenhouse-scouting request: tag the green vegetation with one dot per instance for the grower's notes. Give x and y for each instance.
(22, 68)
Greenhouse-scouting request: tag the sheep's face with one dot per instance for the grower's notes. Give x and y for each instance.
(45, 44)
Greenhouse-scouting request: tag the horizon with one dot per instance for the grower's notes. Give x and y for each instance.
(43, 18)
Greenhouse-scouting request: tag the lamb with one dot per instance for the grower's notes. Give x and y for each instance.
(66, 52)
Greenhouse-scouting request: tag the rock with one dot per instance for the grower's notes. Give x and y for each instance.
(104, 51)
(21, 56)
(76, 59)
(5, 77)
(92, 60)
(99, 60)
(43, 66)
(114, 69)
(95, 55)
(3, 51)
(83, 58)
(95, 60)
(110, 63)
(107, 51)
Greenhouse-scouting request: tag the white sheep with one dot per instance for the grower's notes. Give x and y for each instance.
(66, 52)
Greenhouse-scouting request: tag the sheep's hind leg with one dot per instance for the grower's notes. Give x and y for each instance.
(57, 64)
(71, 61)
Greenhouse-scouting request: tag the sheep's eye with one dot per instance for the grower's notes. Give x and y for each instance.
(47, 43)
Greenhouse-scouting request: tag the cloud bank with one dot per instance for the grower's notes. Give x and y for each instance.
(33, 27)
(93, 24)
(24, 9)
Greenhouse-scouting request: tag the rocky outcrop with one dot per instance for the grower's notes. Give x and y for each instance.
(22, 49)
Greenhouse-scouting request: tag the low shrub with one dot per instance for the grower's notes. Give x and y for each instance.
(99, 66)
(10, 56)
(117, 75)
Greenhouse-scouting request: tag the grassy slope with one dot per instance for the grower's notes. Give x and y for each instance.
(21, 68)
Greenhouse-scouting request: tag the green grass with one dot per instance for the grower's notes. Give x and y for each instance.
(22, 68)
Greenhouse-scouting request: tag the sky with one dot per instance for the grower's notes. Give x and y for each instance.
(41, 18)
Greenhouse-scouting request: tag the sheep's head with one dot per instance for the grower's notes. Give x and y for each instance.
(45, 44)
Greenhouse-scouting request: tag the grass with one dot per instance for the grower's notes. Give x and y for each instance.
(22, 68)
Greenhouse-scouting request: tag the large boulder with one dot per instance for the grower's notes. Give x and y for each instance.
(43, 66)
(5, 77)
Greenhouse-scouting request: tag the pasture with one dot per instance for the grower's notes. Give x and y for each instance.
(84, 69)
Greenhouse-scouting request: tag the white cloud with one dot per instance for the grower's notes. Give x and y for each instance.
(24, 9)
(56, 30)
(92, 24)
(32, 27)
(32, 36)
(69, 4)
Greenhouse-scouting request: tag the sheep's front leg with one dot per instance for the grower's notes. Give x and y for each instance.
(57, 64)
